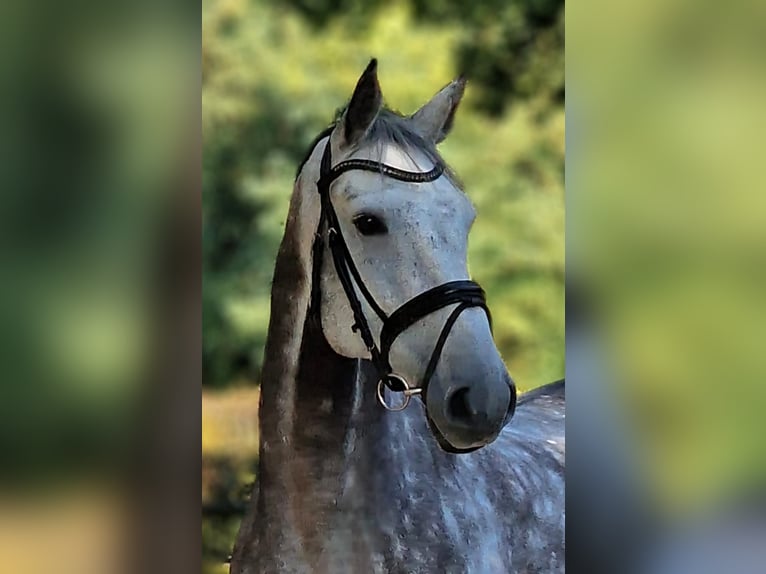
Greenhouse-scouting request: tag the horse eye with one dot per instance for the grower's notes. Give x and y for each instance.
(369, 224)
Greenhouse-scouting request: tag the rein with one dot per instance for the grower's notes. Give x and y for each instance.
(463, 293)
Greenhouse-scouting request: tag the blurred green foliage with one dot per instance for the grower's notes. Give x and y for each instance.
(669, 231)
(274, 74)
(95, 130)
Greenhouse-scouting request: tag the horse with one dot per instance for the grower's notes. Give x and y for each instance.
(391, 437)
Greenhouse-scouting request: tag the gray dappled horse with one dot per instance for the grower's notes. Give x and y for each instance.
(371, 307)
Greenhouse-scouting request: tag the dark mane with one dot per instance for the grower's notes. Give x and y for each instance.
(389, 128)
(323, 134)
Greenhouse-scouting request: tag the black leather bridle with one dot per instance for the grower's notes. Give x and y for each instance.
(464, 293)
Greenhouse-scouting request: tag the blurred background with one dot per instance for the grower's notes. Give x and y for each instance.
(273, 76)
(666, 272)
(99, 285)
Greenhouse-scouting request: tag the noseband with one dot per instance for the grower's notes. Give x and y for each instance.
(465, 294)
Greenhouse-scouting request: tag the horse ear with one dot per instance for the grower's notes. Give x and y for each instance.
(434, 120)
(364, 106)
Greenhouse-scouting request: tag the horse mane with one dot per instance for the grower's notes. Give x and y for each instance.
(389, 128)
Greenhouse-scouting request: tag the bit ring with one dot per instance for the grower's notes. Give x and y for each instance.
(408, 392)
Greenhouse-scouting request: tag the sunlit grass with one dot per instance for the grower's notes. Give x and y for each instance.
(230, 422)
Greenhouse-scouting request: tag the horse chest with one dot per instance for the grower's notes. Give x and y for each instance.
(411, 534)
(379, 496)
(399, 509)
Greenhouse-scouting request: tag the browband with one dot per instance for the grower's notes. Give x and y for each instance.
(385, 169)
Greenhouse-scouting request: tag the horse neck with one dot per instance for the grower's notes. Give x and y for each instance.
(323, 436)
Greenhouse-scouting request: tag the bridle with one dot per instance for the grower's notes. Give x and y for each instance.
(463, 293)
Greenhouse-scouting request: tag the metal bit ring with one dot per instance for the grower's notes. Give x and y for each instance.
(407, 392)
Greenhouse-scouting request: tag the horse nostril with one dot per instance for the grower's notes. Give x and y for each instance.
(460, 407)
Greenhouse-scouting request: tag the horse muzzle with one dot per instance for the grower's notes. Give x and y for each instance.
(467, 415)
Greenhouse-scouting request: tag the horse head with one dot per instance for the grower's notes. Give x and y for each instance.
(391, 278)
